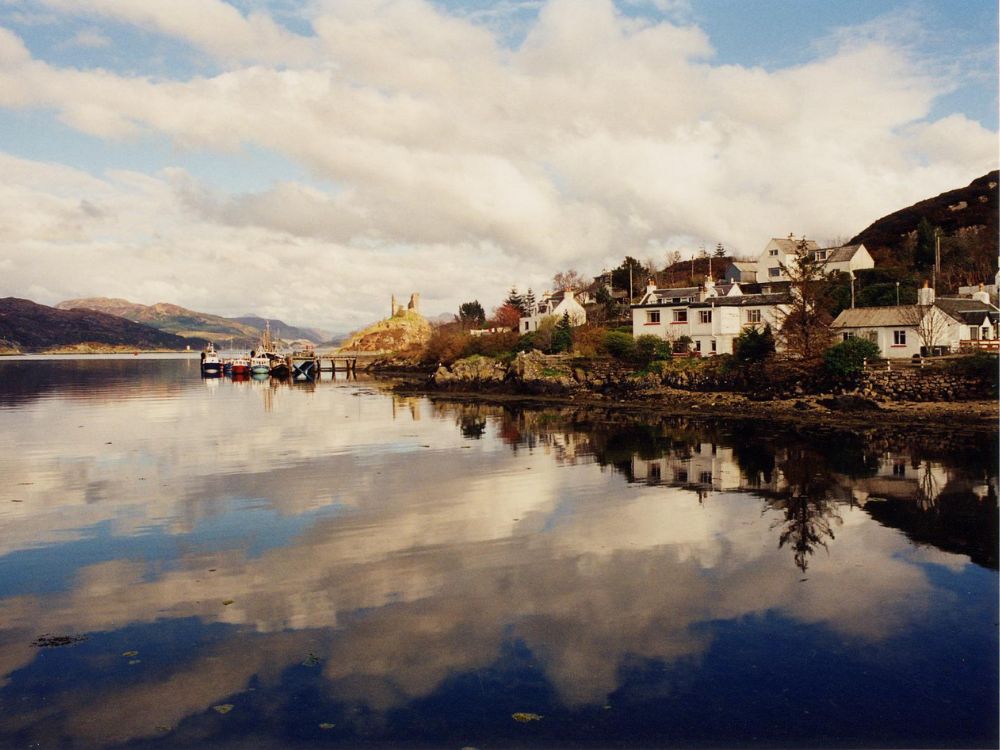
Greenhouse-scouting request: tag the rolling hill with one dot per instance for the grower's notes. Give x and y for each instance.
(30, 327)
(169, 318)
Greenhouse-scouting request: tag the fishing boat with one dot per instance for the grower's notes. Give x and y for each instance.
(239, 366)
(260, 364)
(210, 363)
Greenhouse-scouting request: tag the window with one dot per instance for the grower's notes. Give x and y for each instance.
(899, 468)
(714, 345)
(705, 477)
(680, 475)
(680, 316)
(527, 324)
(848, 335)
(774, 272)
(899, 338)
(652, 317)
(773, 253)
(753, 316)
(704, 316)
(821, 255)
(654, 471)
(697, 346)
(974, 332)
(986, 332)
(872, 336)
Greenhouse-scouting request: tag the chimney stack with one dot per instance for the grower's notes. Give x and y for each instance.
(925, 295)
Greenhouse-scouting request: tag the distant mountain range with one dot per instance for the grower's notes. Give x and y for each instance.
(282, 330)
(245, 330)
(28, 326)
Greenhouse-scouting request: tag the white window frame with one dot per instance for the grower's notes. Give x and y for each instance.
(680, 316)
(704, 316)
(899, 337)
(652, 317)
(774, 272)
(753, 316)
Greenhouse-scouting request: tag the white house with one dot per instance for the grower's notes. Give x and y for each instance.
(844, 259)
(779, 253)
(554, 305)
(712, 315)
(900, 331)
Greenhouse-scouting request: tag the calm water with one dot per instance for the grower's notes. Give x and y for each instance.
(259, 565)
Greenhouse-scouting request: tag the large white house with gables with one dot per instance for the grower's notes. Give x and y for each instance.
(553, 304)
(780, 253)
(712, 315)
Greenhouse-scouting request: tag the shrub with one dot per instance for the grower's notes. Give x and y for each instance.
(496, 345)
(587, 340)
(977, 364)
(562, 336)
(619, 345)
(848, 357)
(683, 344)
(445, 346)
(753, 346)
(650, 348)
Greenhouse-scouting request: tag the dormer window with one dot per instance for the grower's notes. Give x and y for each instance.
(773, 253)
(821, 254)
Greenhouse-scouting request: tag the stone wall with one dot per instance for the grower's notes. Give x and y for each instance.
(914, 384)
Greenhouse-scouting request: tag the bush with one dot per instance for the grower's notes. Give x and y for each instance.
(619, 345)
(683, 344)
(445, 346)
(650, 348)
(848, 357)
(753, 346)
(977, 364)
(526, 342)
(496, 345)
(587, 340)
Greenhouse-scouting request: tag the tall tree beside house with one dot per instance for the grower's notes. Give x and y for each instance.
(514, 299)
(562, 336)
(471, 314)
(529, 302)
(805, 325)
(620, 276)
(720, 251)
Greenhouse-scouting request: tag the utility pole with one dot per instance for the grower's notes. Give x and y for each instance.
(630, 283)
(852, 291)
(937, 252)
(897, 294)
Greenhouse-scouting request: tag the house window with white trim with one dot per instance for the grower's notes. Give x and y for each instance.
(899, 338)
(753, 316)
(652, 317)
(715, 346)
(773, 253)
(680, 316)
(974, 333)
(774, 272)
(697, 346)
(848, 335)
(704, 316)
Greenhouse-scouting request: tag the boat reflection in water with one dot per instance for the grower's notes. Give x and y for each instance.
(388, 571)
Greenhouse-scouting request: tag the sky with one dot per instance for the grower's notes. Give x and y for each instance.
(307, 159)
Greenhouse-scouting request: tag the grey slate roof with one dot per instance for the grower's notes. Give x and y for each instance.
(789, 246)
(969, 311)
(874, 317)
(841, 254)
(747, 300)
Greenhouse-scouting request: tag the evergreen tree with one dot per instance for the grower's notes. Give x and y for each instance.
(529, 302)
(562, 337)
(720, 251)
(926, 234)
(471, 313)
(514, 299)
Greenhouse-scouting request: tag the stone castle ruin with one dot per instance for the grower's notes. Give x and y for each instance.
(398, 308)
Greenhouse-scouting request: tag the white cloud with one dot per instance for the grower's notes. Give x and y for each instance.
(470, 164)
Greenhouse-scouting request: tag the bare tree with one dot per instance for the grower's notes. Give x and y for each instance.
(931, 324)
(570, 279)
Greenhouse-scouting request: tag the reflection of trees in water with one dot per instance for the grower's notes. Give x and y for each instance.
(810, 512)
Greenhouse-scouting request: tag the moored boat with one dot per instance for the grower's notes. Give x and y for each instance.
(210, 362)
(240, 366)
(260, 363)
